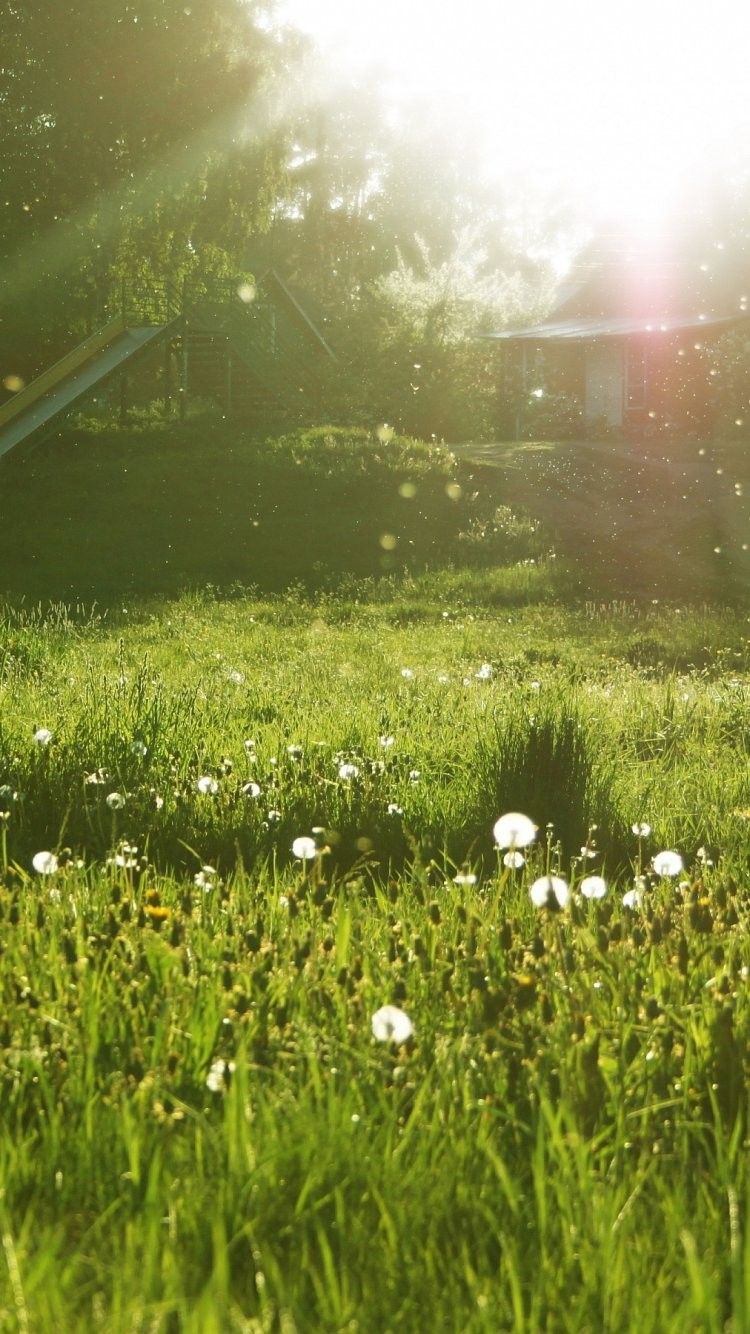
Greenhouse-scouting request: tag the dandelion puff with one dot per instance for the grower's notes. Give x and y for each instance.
(348, 771)
(237, 678)
(115, 801)
(407, 673)
(294, 752)
(249, 745)
(415, 775)
(515, 860)
(205, 878)
(304, 849)
(593, 887)
(207, 786)
(641, 830)
(43, 736)
(273, 817)
(632, 898)
(668, 863)
(45, 863)
(467, 878)
(389, 1024)
(549, 891)
(485, 672)
(387, 741)
(139, 749)
(219, 1076)
(514, 831)
(251, 790)
(394, 809)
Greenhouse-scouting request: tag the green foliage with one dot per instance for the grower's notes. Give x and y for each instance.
(198, 1130)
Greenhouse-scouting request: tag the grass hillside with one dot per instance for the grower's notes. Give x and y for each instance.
(110, 514)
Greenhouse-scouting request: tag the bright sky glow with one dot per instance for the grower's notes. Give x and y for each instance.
(621, 106)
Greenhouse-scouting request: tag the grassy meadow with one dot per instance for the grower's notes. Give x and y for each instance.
(201, 1128)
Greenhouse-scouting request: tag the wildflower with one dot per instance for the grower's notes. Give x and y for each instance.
(205, 879)
(219, 1076)
(42, 736)
(514, 860)
(668, 863)
(632, 898)
(157, 913)
(593, 887)
(115, 801)
(304, 849)
(485, 672)
(45, 863)
(207, 786)
(348, 771)
(465, 878)
(641, 830)
(389, 1024)
(126, 857)
(407, 673)
(514, 831)
(549, 891)
(250, 790)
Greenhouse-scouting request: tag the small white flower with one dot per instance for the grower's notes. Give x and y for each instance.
(514, 831)
(219, 1076)
(45, 863)
(207, 786)
(304, 849)
(348, 771)
(389, 1024)
(514, 860)
(115, 801)
(593, 887)
(485, 672)
(205, 879)
(42, 736)
(251, 790)
(407, 673)
(465, 878)
(668, 863)
(549, 891)
(641, 830)
(632, 897)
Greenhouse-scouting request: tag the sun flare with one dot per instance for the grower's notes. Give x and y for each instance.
(627, 111)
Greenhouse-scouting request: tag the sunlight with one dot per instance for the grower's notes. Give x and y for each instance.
(620, 110)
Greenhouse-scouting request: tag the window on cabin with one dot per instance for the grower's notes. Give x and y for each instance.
(636, 377)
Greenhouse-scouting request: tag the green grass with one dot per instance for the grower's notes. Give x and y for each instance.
(562, 1144)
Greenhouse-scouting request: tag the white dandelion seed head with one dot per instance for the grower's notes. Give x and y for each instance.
(641, 829)
(593, 887)
(138, 748)
(115, 801)
(632, 898)
(467, 878)
(207, 785)
(237, 678)
(249, 745)
(407, 673)
(45, 863)
(550, 891)
(304, 848)
(43, 736)
(485, 672)
(294, 752)
(251, 790)
(668, 863)
(394, 809)
(387, 741)
(514, 859)
(390, 1024)
(415, 775)
(348, 771)
(514, 831)
(219, 1076)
